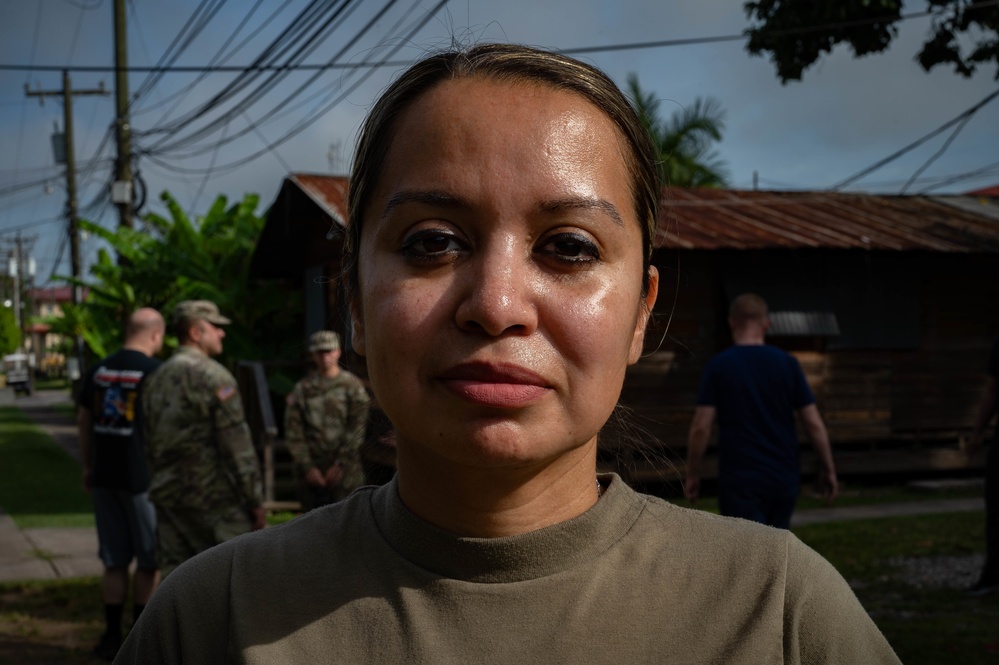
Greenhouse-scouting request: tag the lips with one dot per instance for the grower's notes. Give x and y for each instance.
(496, 386)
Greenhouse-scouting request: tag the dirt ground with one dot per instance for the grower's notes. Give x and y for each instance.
(54, 624)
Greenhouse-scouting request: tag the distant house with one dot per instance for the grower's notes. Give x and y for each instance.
(888, 302)
(44, 347)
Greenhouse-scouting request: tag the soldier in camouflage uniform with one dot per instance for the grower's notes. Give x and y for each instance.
(324, 425)
(205, 474)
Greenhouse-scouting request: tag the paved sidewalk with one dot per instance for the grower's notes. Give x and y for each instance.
(49, 553)
(46, 553)
(927, 507)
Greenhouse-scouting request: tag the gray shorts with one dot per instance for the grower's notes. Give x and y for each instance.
(126, 528)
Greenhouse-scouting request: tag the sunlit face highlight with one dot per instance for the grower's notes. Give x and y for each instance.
(500, 275)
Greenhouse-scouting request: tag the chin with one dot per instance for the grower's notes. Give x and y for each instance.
(500, 443)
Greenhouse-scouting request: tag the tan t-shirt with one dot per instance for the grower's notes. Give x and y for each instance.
(632, 580)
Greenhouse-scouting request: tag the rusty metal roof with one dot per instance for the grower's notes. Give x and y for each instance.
(984, 191)
(742, 219)
(735, 219)
(328, 191)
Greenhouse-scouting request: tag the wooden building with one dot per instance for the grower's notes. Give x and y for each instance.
(302, 242)
(889, 302)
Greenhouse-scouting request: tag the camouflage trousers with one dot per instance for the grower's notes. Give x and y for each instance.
(183, 532)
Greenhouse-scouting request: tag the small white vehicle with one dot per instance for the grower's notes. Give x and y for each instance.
(18, 372)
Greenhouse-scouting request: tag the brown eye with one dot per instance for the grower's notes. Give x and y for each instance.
(571, 248)
(431, 243)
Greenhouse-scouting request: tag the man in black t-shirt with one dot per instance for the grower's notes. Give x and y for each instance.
(115, 470)
(988, 581)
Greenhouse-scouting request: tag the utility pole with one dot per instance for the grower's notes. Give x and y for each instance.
(15, 272)
(122, 191)
(21, 270)
(67, 93)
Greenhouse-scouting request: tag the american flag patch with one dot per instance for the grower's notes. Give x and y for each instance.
(225, 392)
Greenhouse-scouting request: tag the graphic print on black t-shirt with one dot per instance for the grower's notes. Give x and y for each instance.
(116, 391)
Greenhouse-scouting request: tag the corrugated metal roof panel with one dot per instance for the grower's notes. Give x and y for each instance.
(733, 219)
(984, 191)
(329, 192)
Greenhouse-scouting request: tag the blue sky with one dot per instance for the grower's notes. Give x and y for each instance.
(846, 115)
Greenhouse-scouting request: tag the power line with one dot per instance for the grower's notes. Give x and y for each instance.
(181, 94)
(984, 171)
(134, 18)
(306, 122)
(169, 55)
(925, 165)
(76, 33)
(312, 41)
(84, 6)
(665, 43)
(895, 155)
(30, 225)
(274, 112)
(20, 129)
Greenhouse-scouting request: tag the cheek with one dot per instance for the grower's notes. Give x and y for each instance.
(595, 326)
(402, 319)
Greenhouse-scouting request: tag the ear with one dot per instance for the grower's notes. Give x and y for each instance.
(642, 320)
(357, 328)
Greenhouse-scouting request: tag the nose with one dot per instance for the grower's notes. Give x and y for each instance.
(498, 296)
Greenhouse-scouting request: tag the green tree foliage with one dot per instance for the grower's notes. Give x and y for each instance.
(684, 141)
(175, 258)
(963, 34)
(10, 336)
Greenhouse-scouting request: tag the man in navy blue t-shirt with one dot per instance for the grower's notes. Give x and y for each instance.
(754, 391)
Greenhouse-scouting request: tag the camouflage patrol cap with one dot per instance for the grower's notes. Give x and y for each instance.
(199, 310)
(324, 340)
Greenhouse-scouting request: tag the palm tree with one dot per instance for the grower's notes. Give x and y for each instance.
(684, 141)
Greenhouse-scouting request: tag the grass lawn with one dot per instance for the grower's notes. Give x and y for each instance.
(40, 484)
(60, 383)
(932, 624)
(857, 496)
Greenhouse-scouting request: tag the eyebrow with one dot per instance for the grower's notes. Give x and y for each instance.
(428, 197)
(582, 203)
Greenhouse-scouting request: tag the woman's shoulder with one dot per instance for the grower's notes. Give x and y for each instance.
(709, 532)
(732, 543)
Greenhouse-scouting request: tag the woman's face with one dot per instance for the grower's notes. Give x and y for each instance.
(500, 275)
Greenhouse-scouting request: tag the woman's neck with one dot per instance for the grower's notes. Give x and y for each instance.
(496, 502)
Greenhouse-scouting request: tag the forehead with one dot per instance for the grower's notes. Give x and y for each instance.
(500, 129)
(535, 106)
